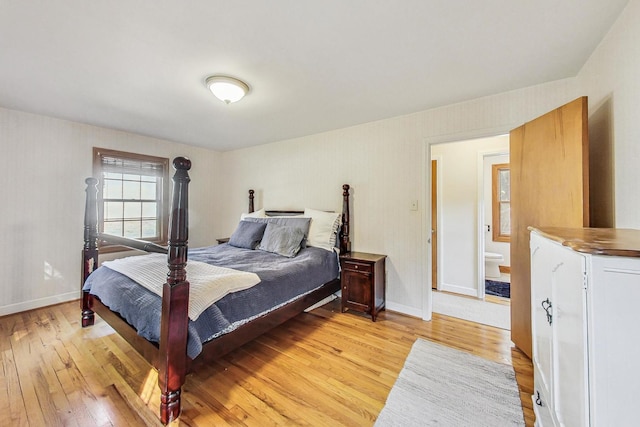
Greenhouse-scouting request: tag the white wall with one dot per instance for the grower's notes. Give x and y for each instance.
(460, 185)
(45, 162)
(611, 79)
(385, 162)
(48, 159)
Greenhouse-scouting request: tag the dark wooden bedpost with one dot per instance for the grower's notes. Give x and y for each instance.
(345, 243)
(90, 251)
(251, 209)
(172, 363)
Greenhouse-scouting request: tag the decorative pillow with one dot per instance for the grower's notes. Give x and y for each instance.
(296, 222)
(323, 230)
(281, 240)
(257, 214)
(247, 235)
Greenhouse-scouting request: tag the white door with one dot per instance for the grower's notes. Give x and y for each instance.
(541, 308)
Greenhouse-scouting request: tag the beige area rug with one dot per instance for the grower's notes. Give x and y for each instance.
(442, 386)
(472, 309)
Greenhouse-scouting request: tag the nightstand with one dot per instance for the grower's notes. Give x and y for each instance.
(222, 240)
(363, 282)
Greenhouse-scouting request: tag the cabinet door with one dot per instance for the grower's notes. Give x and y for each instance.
(614, 316)
(570, 395)
(358, 288)
(541, 309)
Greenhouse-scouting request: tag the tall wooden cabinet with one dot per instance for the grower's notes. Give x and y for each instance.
(585, 304)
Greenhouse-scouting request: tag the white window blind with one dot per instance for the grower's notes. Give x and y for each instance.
(132, 190)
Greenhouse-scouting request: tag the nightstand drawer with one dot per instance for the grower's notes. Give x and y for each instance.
(358, 266)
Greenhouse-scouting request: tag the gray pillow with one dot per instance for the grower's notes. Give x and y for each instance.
(247, 235)
(281, 240)
(297, 222)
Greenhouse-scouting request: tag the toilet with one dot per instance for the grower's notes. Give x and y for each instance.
(492, 262)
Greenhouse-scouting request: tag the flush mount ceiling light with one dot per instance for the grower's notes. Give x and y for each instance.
(227, 89)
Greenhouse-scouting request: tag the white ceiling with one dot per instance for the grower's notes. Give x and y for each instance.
(139, 66)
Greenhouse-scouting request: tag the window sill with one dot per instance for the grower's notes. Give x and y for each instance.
(109, 249)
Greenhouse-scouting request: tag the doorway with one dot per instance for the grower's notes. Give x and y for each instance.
(494, 238)
(459, 238)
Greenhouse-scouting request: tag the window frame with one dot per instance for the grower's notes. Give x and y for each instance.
(496, 202)
(162, 201)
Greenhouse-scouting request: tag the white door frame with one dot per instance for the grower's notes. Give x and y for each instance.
(482, 199)
(427, 297)
(438, 158)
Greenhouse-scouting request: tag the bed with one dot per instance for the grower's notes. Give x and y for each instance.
(171, 340)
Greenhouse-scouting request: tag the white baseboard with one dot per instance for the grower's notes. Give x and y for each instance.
(474, 310)
(38, 303)
(321, 303)
(70, 296)
(459, 290)
(411, 311)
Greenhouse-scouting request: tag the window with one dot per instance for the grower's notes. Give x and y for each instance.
(501, 206)
(132, 194)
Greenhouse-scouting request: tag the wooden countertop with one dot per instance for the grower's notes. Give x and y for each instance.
(362, 256)
(596, 241)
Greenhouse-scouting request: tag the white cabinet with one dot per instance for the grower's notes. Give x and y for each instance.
(559, 332)
(585, 305)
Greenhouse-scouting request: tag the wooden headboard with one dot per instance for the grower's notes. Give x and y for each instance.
(343, 236)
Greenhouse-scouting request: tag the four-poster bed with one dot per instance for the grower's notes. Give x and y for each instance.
(168, 353)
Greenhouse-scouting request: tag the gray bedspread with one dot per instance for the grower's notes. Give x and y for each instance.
(282, 280)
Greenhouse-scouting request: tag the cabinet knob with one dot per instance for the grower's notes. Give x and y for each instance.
(546, 305)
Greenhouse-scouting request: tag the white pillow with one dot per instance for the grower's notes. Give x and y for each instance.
(257, 214)
(323, 230)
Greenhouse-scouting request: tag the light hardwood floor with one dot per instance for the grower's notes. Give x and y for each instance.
(323, 368)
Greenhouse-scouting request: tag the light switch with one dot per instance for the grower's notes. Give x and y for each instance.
(414, 205)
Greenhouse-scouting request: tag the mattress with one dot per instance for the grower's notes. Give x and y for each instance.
(282, 280)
